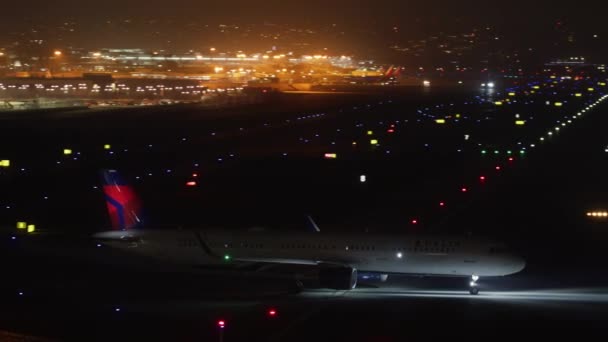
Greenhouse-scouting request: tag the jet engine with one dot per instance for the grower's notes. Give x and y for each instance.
(338, 277)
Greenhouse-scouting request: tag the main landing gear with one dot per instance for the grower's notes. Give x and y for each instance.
(474, 290)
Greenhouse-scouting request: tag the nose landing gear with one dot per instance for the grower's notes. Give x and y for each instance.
(474, 290)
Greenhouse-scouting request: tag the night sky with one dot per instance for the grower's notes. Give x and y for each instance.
(514, 13)
(524, 23)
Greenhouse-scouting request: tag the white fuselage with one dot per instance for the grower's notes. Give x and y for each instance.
(422, 255)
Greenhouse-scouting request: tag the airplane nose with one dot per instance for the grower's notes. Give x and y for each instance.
(518, 263)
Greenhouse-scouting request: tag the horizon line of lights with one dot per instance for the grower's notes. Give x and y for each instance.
(600, 214)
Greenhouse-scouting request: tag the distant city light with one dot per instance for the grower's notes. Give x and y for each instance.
(57, 53)
(598, 214)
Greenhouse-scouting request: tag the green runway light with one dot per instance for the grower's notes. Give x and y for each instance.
(227, 257)
(484, 152)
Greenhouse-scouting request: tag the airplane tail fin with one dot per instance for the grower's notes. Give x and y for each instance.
(124, 206)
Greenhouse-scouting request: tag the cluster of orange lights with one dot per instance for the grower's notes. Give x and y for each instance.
(601, 214)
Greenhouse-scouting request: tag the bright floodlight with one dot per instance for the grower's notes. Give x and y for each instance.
(491, 85)
(399, 255)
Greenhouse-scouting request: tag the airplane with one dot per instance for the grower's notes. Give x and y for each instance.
(341, 258)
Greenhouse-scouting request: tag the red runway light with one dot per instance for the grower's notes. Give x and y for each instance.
(191, 183)
(511, 159)
(482, 178)
(498, 168)
(221, 324)
(272, 312)
(414, 221)
(194, 175)
(391, 131)
(463, 189)
(441, 204)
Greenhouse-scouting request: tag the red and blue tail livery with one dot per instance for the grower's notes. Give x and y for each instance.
(124, 207)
